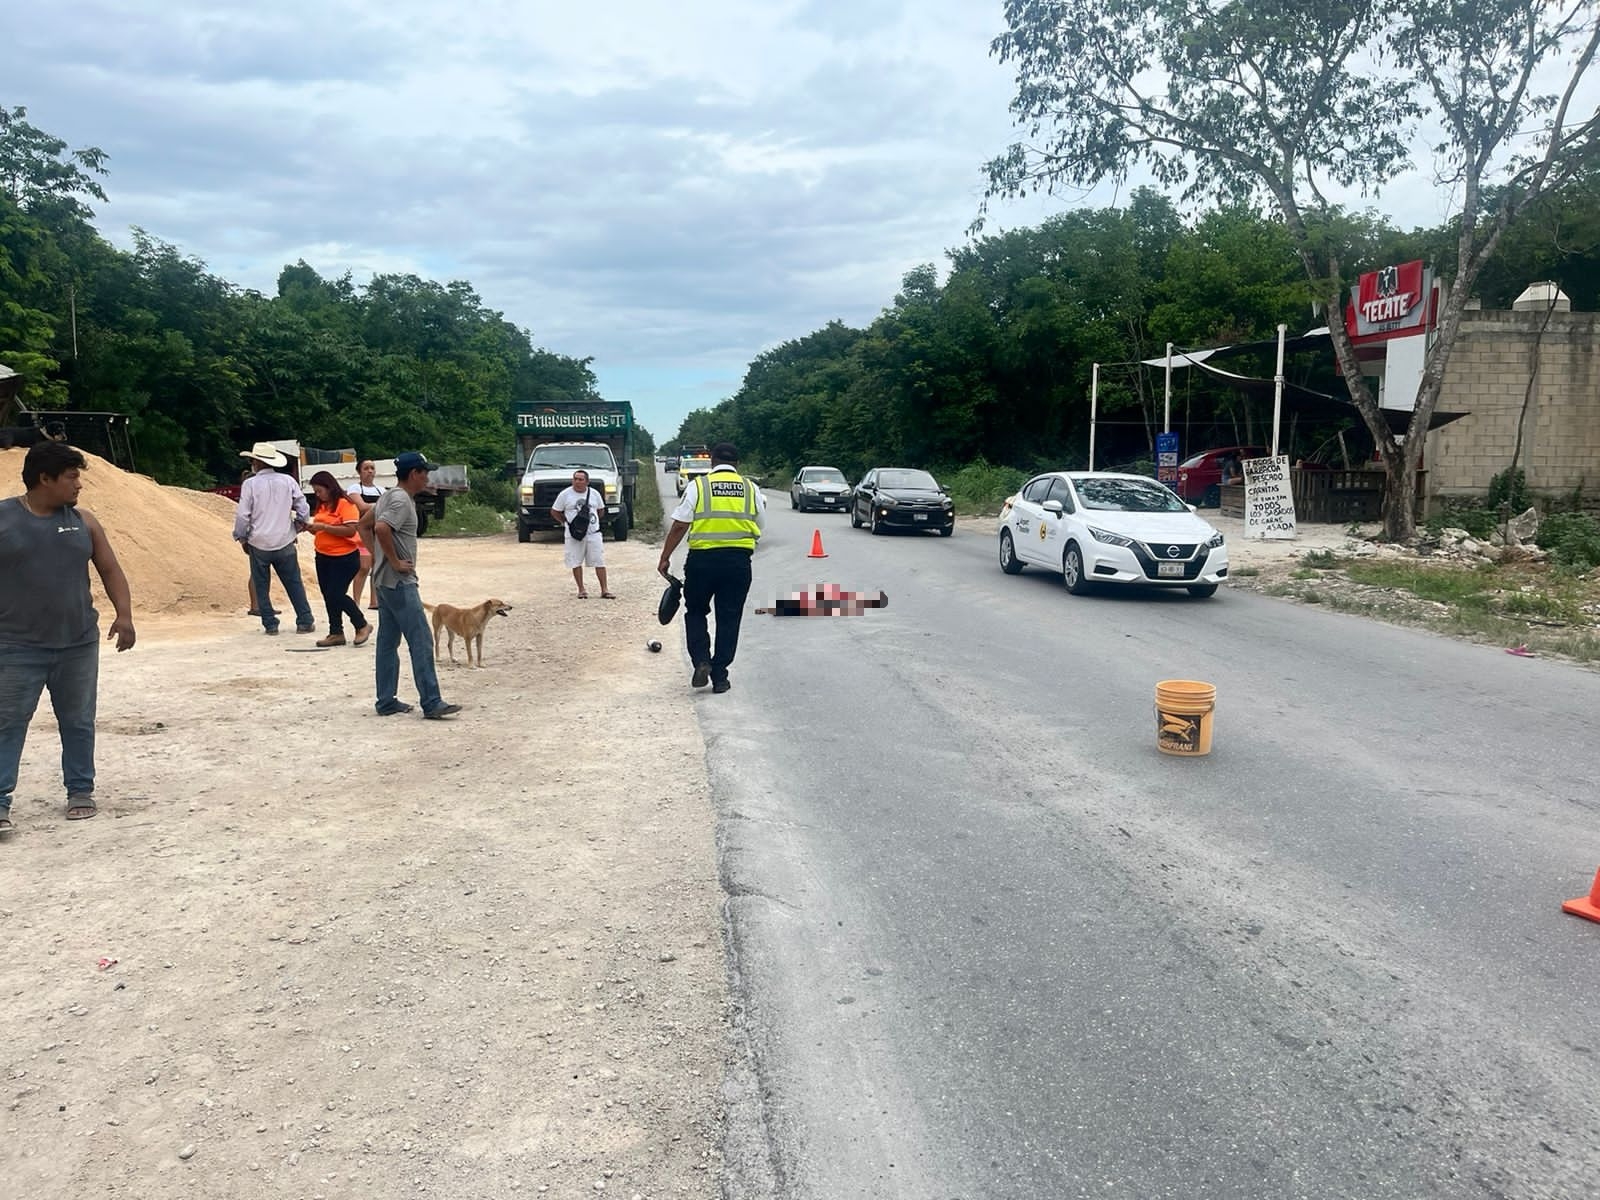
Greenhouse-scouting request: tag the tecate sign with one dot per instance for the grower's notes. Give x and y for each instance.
(1392, 300)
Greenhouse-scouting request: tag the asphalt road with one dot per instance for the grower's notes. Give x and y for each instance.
(988, 943)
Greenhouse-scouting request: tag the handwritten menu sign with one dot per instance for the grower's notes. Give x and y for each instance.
(1268, 498)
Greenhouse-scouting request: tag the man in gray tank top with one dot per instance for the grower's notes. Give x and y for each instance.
(49, 630)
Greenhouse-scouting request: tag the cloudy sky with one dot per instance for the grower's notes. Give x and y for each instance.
(669, 187)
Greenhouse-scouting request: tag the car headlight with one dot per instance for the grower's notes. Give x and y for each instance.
(949, 503)
(527, 493)
(887, 502)
(1216, 541)
(1113, 539)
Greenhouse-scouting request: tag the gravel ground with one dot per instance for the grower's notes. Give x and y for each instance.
(307, 951)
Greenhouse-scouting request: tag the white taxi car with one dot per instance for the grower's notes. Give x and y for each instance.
(1100, 527)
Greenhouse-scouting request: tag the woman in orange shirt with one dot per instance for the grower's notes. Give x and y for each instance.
(333, 520)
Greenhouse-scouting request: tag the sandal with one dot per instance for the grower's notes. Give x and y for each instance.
(583, 595)
(81, 808)
(6, 826)
(608, 595)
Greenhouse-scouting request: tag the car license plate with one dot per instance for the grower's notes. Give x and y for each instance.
(919, 516)
(1170, 569)
(830, 500)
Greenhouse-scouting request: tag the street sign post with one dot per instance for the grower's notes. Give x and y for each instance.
(1167, 457)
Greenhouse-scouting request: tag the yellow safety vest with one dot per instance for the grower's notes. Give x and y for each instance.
(724, 512)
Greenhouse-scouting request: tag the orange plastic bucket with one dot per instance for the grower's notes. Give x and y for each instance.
(1184, 709)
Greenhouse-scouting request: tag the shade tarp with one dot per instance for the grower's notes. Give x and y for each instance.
(1312, 339)
(1296, 399)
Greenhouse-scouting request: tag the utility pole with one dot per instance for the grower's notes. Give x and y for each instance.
(1094, 410)
(1277, 391)
(1166, 411)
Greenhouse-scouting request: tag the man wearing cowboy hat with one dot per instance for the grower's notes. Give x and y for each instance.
(272, 512)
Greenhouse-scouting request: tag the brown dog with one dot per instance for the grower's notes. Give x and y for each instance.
(467, 623)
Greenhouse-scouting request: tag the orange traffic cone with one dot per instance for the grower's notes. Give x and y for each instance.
(816, 545)
(1586, 906)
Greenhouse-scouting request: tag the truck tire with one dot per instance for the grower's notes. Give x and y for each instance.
(619, 527)
(524, 534)
(422, 518)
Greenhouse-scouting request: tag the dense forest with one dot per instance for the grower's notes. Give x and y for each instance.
(993, 362)
(203, 367)
(987, 360)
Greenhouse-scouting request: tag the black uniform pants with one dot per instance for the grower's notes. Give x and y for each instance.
(717, 579)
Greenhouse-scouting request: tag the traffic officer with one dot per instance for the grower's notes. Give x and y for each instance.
(722, 513)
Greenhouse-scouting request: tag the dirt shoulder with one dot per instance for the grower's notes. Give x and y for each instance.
(1513, 597)
(360, 956)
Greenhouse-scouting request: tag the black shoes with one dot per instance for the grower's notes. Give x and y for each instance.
(702, 675)
(721, 686)
(438, 714)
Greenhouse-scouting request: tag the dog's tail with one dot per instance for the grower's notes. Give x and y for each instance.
(427, 608)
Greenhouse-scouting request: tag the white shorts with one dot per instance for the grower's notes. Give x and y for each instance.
(589, 552)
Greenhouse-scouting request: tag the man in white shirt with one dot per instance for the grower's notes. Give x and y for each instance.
(589, 550)
(272, 512)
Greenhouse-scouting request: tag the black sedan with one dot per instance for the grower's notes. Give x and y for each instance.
(901, 498)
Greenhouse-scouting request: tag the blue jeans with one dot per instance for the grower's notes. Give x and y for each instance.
(400, 614)
(286, 562)
(73, 677)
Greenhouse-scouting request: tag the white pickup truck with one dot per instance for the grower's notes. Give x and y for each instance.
(549, 470)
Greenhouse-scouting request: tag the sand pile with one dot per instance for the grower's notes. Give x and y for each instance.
(176, 545)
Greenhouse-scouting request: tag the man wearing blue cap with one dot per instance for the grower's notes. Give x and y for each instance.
(394, 580)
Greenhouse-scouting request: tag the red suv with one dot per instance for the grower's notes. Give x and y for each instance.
(1200, 477)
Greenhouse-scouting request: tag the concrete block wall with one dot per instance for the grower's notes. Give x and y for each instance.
(1488, 377)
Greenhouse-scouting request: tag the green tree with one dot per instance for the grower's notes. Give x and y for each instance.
(1075, 290)
(27, 330)
(1280, 99)
(202, 366)
(1558, 239)
(44, 187)
(37, 171)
